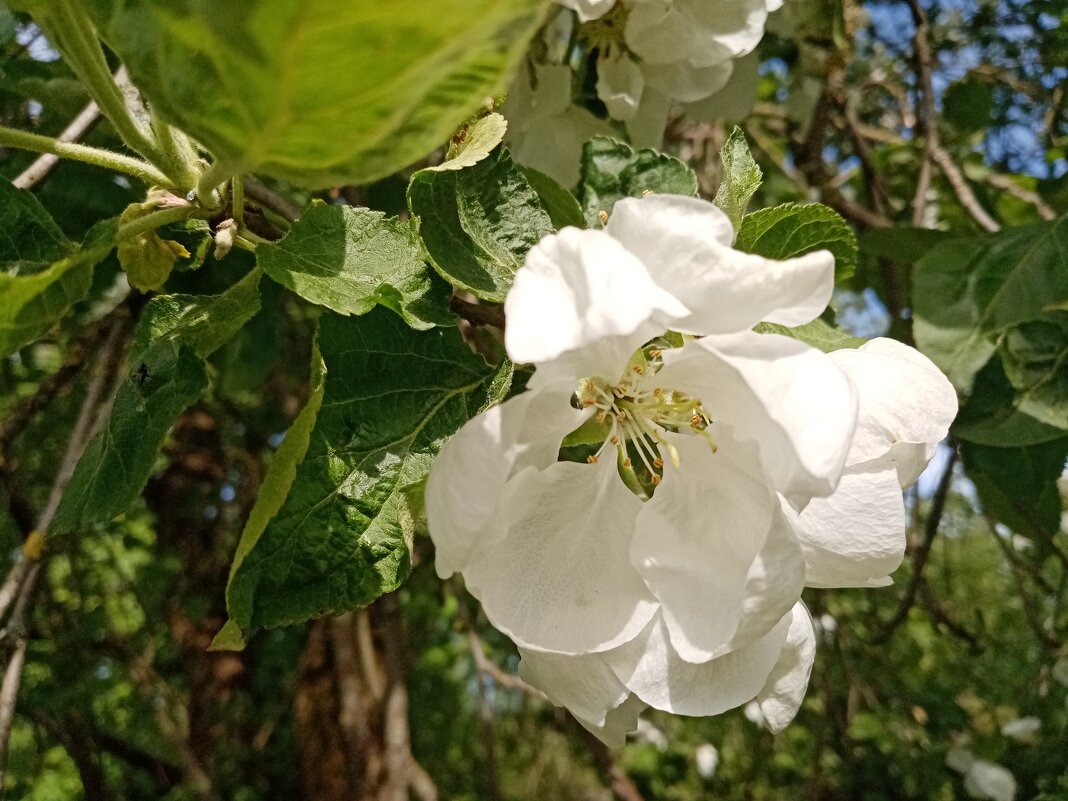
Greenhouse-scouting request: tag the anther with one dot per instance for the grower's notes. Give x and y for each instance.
(591, 459)
(587, 402)
(696, 421)
(601, 416)
(638, 369)
(602, 215)
(647, 192)
(627, 463)
(655, 479)
(658, 463)
(614, 439)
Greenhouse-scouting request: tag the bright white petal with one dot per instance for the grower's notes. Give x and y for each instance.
(696, 540)
(588, 9)
(665, 32)
(773, 583)
(790, 399)
(785, 688)
(560, 579)
(652, 670)
(906, 405)
(576, 288)
(584, 684)
(619, 722)
(467, 480)
(684, 243)
(856, 536)
(620, 85)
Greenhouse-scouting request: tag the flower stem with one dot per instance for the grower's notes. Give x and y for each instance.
(159, 218)
(237, 200)
(212, 177)
(82, 51)
(177, 148)
(23, 140)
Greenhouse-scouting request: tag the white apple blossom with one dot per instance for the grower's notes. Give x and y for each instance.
(681, 48)
(665, 568)
(651, 56)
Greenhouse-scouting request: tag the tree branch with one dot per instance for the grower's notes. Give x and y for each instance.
(923, 553)
(43, 164)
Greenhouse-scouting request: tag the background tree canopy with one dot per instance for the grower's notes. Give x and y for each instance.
(935, 130)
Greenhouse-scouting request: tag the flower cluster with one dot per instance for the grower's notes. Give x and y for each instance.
(641, 520)
(651, 55)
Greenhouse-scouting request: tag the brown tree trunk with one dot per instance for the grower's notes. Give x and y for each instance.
(351, 710)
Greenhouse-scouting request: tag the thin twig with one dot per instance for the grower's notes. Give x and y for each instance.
(622, 787)
(1046, 638)
(929, 122)
(271, 200)
(22, 579)
(922, 553)
(44, 163)
(1006, 184)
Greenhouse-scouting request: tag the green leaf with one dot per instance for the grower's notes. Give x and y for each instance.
(1035, 358)
(562, 207)
(31, 240)
(324, 93)
(119, 459)
(1018, 486)
(351, 260)
(41, 273)
(901, 245)
(474, 141)
(968, 292)
(202, 322)
(273, 493)
(335, 542)
(790, 230)
(612, 170)
(968, 105)
(174, 335)
(818, 334)
(991, 416)
(740, 177)
(478, 223)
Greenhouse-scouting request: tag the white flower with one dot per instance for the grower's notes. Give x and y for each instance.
(546, 130)
(987, 780)
(707, 758)
(666, 569)
(1023, 729)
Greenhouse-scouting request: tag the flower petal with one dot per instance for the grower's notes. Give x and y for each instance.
(467, 480)
(662, 31)
(696, 539)
(618, 723)
(686, 82)
(684, 243)
(773, 583)
(577, 289)
(785, 688)
(585, 684)
(790, 399)
(906, 405)
(652, 670)
(560, 579)
(856, 536)
(619, 85)
(588, 9)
